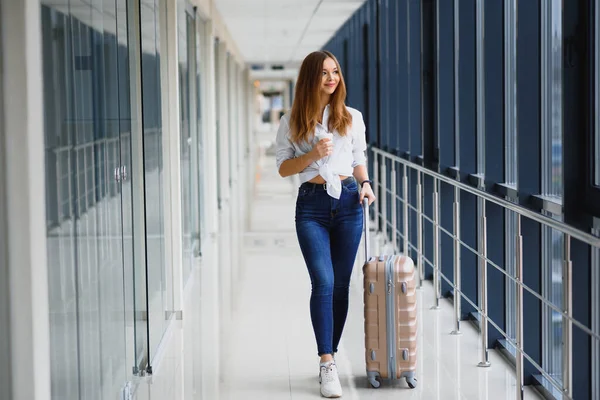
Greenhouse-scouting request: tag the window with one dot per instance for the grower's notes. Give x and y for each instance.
(552, 181)
(510, 161)
(87, 128)
(187, 107)
(510, 91)
(480, 9)
(597, 93)
(456, 85)
(595, 264)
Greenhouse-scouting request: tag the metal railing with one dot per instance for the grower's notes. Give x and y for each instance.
(380, 175)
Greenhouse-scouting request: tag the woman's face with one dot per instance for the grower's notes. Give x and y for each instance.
(330, 77)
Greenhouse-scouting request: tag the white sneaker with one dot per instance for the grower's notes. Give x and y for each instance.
(330, 381)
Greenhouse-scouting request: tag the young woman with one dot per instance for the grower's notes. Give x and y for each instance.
(324, 141)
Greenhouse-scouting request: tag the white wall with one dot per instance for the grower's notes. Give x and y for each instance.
(24, 195)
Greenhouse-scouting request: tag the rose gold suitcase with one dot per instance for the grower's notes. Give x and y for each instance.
(390, 317)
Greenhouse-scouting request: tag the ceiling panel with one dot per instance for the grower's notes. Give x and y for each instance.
(283, 31)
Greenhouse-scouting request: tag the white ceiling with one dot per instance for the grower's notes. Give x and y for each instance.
(283, 31)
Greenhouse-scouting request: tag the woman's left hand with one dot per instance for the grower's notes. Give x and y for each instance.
(367, 192)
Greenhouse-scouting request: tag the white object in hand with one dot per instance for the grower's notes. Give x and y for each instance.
(334, 185)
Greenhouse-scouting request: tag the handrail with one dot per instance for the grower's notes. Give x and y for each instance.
(554, 224)
(386, 225)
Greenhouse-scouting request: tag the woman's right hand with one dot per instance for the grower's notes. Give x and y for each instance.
(322, 149)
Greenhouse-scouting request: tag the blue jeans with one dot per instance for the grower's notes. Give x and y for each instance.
(329, 232)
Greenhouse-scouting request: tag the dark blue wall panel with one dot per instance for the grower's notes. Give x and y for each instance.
(444, 128)
(467, 94)
(399, 60)
(468, 234)
(494, 159)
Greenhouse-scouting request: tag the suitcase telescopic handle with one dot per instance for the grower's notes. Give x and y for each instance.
(366, 221)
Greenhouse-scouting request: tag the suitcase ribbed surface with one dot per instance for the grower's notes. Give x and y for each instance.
(382, 358)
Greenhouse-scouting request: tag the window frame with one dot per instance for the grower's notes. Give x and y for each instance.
(595, 298)
(596, 71)
(592, 186)
(552, 176)
(511, 168)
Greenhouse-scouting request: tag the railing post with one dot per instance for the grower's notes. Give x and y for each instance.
(384, 194)
(519, 309)
(420, 230)
(405, 204)
(457, 278)
(485, 361)
(436, 245)
(394, 207)
(567, 358)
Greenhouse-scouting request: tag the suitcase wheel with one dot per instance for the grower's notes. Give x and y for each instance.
(412, 382)
(374, 379)
(374, 383)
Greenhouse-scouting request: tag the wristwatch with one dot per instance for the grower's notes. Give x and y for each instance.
(370, 182)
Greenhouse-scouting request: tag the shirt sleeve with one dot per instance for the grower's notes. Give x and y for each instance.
(285, 148)
(359, 145)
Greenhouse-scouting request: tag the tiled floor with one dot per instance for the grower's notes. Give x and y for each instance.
(268, 350)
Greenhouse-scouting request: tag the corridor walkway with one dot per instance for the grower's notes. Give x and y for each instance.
(271, 353)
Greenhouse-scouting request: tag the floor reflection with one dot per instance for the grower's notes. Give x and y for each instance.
(267, 349)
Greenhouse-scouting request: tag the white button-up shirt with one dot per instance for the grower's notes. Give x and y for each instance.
(348, 151)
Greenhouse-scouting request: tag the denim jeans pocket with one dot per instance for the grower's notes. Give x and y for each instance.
(302, 192)
(351, 187)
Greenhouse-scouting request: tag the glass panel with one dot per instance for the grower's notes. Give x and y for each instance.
(595, 271)
(511, 269)
(510, 162)
(480, 9)
(552, 187)
(133, 193)
(510, 91)
(200, 57)
(58, 129)
(597, 89)
(186, 69)
(125, 153)
(552, 261)
(153, 164)
(456, 84)
(114, 363)
(230, 75)
(85, 258)
(551, 65)
(217, 113)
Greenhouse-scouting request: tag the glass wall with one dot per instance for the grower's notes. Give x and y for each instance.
(188, 133)
(111, 291)
(86, 117)
(596, 254)
(596, 77)
(595, 299)
(158, 303)
(190, 32)
(218, 97)
(108, 313)
(535, 143)
(552, 179)
(510, 161)
(199, 148)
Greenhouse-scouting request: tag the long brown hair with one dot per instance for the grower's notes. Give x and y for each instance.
(307, 100)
